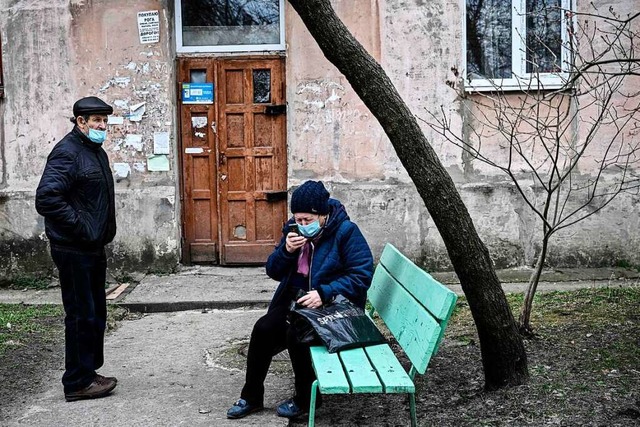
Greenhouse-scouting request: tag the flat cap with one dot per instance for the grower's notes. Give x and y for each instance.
(91, 105)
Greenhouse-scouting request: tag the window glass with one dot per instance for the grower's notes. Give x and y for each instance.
(197, 76)
(516, 44)
(489, 39)
(261, 86)
(230, 22)
(544, 37)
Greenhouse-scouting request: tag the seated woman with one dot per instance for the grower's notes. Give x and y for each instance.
(328, 257)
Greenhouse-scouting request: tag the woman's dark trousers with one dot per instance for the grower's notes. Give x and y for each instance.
(82, 280)
(270, 335)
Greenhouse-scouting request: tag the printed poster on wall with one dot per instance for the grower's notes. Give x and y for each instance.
(149, 26)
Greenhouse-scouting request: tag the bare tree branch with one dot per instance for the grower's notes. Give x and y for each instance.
(568, 151)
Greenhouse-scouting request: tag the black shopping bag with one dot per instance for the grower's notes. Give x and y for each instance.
(340, 325)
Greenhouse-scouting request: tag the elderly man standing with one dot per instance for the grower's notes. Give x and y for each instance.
(76, 198)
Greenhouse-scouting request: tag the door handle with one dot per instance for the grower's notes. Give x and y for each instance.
(275, 110)
(222, 159)
(275, 196)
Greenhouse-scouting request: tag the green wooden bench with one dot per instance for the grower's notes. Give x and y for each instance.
(415, 308)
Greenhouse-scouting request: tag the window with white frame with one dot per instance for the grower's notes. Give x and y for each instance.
(229, 25)
(516, 44)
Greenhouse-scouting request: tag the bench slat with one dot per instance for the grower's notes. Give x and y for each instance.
(361, 375)
(391, 373)
(437, 298)
(329, 371)
(415, 329)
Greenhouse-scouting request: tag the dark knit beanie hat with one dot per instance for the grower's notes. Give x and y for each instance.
(310, 197)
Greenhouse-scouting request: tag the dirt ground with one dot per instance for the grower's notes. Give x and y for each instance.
(584, 369)
(584, 365)
(23, 367)
(564, 390)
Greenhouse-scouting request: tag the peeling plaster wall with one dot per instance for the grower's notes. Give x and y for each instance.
(333, 137)
(331, 134)
(55, 52)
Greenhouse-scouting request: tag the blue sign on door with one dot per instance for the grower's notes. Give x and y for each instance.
(197, 93)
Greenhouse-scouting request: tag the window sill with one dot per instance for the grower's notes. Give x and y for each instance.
(518, 84)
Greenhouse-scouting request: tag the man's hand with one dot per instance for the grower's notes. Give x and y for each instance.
(294, 242)
(311, 299)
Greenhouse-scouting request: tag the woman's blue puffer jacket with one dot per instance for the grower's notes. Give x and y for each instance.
(341, 262)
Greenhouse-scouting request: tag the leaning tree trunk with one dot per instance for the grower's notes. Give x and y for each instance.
(503, 354)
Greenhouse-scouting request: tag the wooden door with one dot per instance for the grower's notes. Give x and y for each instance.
(200, 221)
(252, 165)
(233, 160)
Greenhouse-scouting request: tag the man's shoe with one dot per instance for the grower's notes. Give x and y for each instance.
(98, 388)
(242, 408)
(102, 378)
(290, 409)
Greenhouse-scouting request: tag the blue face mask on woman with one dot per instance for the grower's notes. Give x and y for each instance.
(310, 230)
(97, 136)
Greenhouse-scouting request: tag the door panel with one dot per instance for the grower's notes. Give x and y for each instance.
(199, 169)
(233, 158)
(253, 163)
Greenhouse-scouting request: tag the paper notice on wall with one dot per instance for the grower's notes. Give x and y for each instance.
(149, 26)
(121, 170)
(115, 120)
(161, 143)
(133, 141)
(194, 150)
(198, 122)
(136, 112)
(158, 163)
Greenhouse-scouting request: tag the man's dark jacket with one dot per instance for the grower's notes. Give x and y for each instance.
(76, 195)
(341, 262)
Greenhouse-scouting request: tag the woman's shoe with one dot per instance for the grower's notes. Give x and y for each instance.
(290, 409)
(242, 408)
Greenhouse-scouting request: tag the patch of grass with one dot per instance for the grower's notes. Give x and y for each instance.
(590, 307)
(30, 282)
(19, 322)
(623, 263)
(123, 278)
(623, 352)
(163, 271)
(115, 314)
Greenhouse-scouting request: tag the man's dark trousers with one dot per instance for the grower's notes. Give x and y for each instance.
(82, 280)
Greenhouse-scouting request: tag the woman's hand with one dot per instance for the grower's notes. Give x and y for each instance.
(311, 299)
(294, 242)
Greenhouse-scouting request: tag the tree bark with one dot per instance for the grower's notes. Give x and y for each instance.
(527, 306)
(503, 354)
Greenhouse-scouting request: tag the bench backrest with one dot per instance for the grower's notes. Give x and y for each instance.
(413, 305)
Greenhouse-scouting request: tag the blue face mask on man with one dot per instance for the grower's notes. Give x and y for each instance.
(97, 136)
(310, 230)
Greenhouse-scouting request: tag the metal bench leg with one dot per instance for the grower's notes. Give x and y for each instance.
(412, 404)
(312, 404)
